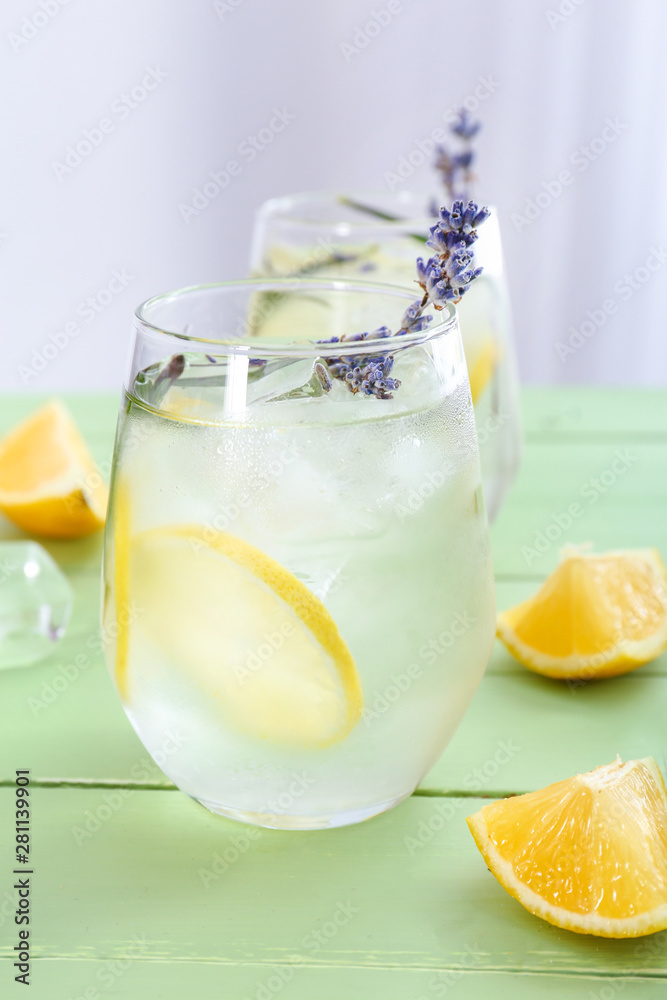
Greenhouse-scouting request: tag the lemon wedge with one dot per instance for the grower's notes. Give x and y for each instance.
(481, 367)
(597, 615)
(588, 854)
(246, 631)
(49, 483)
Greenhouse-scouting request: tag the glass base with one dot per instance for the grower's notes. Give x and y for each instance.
(293, 821)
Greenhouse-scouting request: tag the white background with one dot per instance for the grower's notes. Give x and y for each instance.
(361, 100)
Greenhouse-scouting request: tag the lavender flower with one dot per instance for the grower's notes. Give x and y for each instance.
(413, 320)
(365, 373)
(455, 168)
(464, 127)
(461, 220)
(445, 277)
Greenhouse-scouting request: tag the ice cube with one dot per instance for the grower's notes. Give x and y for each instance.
(35, 603)
(294, 380)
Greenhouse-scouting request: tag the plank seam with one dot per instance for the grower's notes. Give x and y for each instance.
(562, 973)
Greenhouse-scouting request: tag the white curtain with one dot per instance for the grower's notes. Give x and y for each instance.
(117, 112)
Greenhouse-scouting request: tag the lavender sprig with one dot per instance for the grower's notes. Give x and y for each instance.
(464, 126)
(369, 373)
(445, 277)
(364, 373)
(456, 168)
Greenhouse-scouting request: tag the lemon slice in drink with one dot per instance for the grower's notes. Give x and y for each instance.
(588, 854)
(247, 632)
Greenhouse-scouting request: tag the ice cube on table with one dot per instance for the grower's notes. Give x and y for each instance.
(36, 602)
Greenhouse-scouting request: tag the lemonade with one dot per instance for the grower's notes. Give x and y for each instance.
(299, 577)
(321, 234)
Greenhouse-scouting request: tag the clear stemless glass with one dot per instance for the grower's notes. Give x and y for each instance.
(333, 235)
(298, 586)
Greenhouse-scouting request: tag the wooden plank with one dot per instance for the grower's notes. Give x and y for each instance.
(407, 889)
(95, 413)
(524, 731)
(163, 980)
(574, 411)
(577, 412)
(71, 693)
(535, 515)
(65, 717)
(527, 538)
(79, 559)
(558, 473)
(552, 477)
(579, 727)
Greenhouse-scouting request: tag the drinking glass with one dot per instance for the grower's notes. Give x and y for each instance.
(379, 236)
(298, 599)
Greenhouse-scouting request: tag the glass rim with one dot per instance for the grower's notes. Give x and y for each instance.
(271, 208)
(306, 348)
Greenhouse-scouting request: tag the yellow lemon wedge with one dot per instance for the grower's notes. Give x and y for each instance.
(49, 483)
(588, 854)
(249, 634)
(482, 366)
(597, 615)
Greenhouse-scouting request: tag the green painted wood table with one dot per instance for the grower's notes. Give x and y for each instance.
(140, 893)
